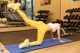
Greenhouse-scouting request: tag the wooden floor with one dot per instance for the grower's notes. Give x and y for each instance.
(3, 47)
(73, 47)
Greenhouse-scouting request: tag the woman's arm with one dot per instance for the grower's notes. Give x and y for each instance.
(58, 34)
(52, 35)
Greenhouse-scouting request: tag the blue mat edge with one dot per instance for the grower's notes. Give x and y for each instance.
(43, 47)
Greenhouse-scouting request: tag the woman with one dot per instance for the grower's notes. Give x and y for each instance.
(39, 25)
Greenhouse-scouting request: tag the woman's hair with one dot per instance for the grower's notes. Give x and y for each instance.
(59, 21)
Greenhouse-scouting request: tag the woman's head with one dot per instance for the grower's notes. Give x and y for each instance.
(59, 21)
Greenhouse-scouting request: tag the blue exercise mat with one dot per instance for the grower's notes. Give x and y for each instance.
(45, 44)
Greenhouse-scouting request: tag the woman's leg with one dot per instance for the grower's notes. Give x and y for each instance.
(15, 7)
(42, 29)
(40, 38)
(52, 35)
(32, 23)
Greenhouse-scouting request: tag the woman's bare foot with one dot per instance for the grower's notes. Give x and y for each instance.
(24, 44)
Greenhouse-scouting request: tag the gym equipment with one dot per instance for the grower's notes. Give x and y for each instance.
(65, 17)
(46, 43)
(76, 17)
(43, 15)
(65, 34)
(79, 17)
(64, 23)
(78, 26)
(69, 23)
(70, 17)
(78, 9)
(73, 16)
(73, 10)
(67, 10)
